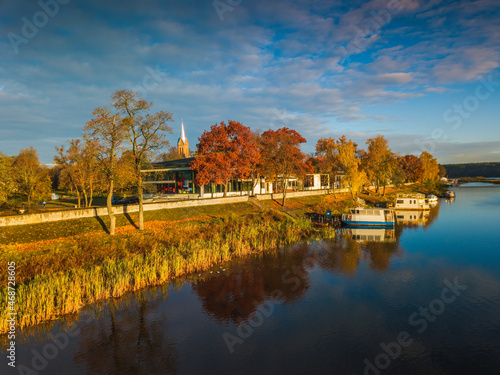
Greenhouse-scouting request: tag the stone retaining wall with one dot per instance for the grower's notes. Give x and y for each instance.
(103, 211)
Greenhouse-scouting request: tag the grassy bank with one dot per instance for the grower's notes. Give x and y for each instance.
(59, 277)
(58, 229)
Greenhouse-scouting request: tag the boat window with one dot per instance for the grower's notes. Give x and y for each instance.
(358, 211)
(400, 201)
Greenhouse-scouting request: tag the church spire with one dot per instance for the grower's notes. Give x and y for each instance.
(183, 135)
(183, 144)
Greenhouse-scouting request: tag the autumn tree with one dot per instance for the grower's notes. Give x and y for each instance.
(430, 168)
(6, 180)
(347, 160)
(411, 167)
(225, 152)
(379, 162)
(442, 171)
(107, 131)
(282, 157)
(29, 176)
(125, 173)
(79, 163)
(145, 134)
(171, 154)
(327, 151)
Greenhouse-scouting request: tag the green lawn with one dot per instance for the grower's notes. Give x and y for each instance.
(58, 229)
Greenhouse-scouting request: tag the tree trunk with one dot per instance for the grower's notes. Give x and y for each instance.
(85, 197)
(225, 189)
(141, 204)
(91, 193)
(112, 219)
(283, 187)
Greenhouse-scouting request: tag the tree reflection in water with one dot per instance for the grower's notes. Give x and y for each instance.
(284, 276)
(129, 340)
(234, 297)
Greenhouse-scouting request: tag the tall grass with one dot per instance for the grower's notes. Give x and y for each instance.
(59, 279)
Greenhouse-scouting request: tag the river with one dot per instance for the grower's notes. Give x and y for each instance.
(423, 299)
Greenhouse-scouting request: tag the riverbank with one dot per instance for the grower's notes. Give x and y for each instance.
(63, 266)
(59, 277)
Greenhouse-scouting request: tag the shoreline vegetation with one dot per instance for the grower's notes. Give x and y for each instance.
(62, 276)
(62, 267)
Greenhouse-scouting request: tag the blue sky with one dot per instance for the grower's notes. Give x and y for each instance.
(425, 74)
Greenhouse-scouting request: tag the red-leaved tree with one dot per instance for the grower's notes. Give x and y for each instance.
(281, 157)
(225, 152)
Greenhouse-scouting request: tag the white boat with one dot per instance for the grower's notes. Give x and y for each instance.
(411, 202)
(369, 216)
(362, 234)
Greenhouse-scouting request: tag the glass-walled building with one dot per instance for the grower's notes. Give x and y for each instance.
(176, 177)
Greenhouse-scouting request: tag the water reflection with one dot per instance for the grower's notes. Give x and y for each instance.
(284, 276)
(412, 218)
(234, 297)
(364, 234)
(130, 339)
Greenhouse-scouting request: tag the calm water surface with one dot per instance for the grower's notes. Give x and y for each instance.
(324, 307)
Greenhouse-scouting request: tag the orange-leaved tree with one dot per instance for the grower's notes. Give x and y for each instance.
(30, 177)
(107, 131)
(430, 167)
(348, 161)
(282, 158)
(225, 152)
(145, 133)
(411, 167)
(379, 162)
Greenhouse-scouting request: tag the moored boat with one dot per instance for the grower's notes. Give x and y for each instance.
(450, 194)
(369, 216)
(411, 202)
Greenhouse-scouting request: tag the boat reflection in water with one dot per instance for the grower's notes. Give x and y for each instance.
(412, 218)
(373, 234)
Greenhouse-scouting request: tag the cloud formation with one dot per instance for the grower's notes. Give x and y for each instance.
(334, 68)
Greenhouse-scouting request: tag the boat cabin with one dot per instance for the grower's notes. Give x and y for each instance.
(411, 202)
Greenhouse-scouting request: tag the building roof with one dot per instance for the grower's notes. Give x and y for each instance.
(179, 163)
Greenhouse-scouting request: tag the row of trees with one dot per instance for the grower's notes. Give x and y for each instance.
(120, 140)
(377, 165)
(233, 151)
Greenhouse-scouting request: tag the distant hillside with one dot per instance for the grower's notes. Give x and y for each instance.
(472, 170)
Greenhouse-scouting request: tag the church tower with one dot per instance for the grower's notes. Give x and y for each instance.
(183, 144)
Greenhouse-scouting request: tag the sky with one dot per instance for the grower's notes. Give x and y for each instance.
(423, 73)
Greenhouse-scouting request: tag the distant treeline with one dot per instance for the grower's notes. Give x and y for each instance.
(473, 170)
